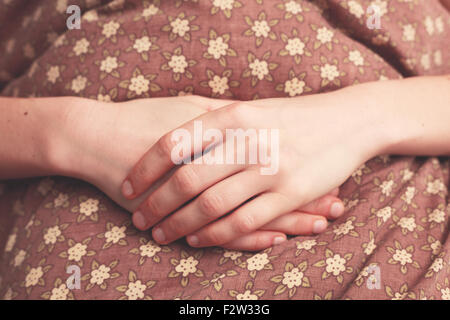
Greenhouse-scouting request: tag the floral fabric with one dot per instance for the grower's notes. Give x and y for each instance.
(392, 241)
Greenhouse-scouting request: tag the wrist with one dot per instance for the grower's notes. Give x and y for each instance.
(66, 127)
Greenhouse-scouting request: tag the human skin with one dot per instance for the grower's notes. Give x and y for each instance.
(323, 139)
(100, 142)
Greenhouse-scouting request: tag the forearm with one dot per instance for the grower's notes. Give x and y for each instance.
(29, 136)
(412, 114)
(405, 117)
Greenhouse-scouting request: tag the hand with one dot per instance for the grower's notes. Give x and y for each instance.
(320, 146)
(124, 131)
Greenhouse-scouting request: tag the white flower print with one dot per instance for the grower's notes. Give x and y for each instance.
(115, 234)
(61, 6)
(261, 28)
(355, 8)
(381, 6)
(89, 206)
(53, 74)
(149, 249)
(295, 46)
(409, 32)
(435, 186)
(99, 275)
(293, 7)
(335, 264)
(259, 68)
(429, 25)
(139, 84)
(149, 11)
(294, 87)
(33, 276)
(142, 44)
(371, 246)
(187, 266)
(11, 242)
(437, 265)
(217, 47)
(110, 29)
(104, 98)
(52, 234)
(425, 61)
(60, 293)
(356, 57)
(91, 16)
(436, 247)
(178, 63)
(219, 84)
(407, 223)
(344, 228)
(307, 244)
(135, 290)
(19, 258)
(81, 46)
(439, 23)
(445, 293)
(437, 215)
(384, 213)
(387, 186)
(409, 194)
(109, 64)
(224, 4)
(292, 278)
(438, 58)
(257, 261)
(324, 35)
(180, 26)
(402, 256)
(247, 295)
(77, 252)
(407, 175)
(329, 72)
(79, 84)
(232, 254)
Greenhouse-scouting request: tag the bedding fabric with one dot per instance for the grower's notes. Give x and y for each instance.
(392, 241)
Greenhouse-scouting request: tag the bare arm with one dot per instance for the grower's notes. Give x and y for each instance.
(28, 136)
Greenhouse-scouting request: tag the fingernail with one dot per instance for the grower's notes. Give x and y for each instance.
(139, 220)
(192, 240)
(158, 235)
(127, 188)
(336, 210)
(278, 240)
(319, 226)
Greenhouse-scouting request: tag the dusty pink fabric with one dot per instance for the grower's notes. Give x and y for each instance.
(396, 219)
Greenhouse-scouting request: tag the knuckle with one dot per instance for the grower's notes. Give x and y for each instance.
(142, 172)
(175, 227)
(153, 206)
(210, 204)
(213, 237)
(165, 146)
(240, 112)
(186, 180)
(245, 224)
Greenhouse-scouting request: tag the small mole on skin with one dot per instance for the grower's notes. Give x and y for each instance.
(26, 113)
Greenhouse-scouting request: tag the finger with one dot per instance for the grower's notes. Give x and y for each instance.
(297, 223)
(186, 183)
(334, 192)
(215, 202)
(246, 219)
(328, 206)
(257, 240)
(158, 159)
